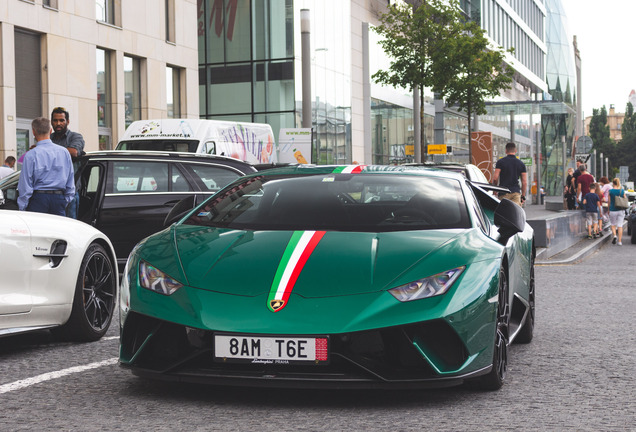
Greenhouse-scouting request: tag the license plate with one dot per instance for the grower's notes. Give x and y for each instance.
(270, 349)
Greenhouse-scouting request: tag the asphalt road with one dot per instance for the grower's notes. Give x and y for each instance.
(578, 374)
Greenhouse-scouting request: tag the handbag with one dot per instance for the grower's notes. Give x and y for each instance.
(621, 202)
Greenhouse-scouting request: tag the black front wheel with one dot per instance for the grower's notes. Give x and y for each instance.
(95, 297)
(497, 375)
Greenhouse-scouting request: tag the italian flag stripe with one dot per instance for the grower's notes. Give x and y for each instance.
(349, 169)
(298, 250)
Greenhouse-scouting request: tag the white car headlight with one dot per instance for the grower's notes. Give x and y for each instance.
(155, 280)
(428, 287)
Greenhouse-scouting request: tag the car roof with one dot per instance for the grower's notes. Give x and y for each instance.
(170, 155)
(362, 169)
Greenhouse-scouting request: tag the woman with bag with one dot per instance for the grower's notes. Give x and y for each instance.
(617, 211)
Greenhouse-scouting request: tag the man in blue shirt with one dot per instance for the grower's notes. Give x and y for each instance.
(46, 182)
(508, 170)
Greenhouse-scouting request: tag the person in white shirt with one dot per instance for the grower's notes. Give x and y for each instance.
(7, 168)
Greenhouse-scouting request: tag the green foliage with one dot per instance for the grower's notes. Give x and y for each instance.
(470, 71)
(625, 153)
(410, 39)
(435, 46)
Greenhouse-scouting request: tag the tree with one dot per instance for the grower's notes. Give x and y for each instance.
(626, 148)
(411, 34)
(600, 134)
(469, 71)
(432, 44)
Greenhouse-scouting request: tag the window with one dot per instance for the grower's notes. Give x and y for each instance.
(173, 92)
(103, 88)
(170, 21)
(133, 177)
(104, 10)
(132, 89)
(50, 3)
(214, 178)
(103, 99)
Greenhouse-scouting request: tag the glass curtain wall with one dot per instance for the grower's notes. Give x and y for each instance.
(246, 64)
(391, 133)
(330, 78)
(557, 130)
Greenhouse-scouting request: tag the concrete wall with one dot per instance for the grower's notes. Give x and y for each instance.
(70, 36)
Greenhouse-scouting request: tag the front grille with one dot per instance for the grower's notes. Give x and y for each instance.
(388, 354)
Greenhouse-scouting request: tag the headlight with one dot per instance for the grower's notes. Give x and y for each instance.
(428, 287)
(155, 280)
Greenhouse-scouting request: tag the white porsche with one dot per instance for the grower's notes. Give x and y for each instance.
(55, 273)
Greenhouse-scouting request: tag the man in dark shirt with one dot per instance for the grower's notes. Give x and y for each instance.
(575, 176)
(72, 141)
(583, 182)
(508, 170)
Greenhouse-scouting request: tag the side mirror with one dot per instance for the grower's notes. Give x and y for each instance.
(180, 209)
(510, 218)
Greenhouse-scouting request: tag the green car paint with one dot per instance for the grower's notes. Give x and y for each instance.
(229, 275)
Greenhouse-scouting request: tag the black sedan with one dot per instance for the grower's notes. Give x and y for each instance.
(127, 195)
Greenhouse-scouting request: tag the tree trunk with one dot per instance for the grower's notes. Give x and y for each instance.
(470, 130)
(422, 131)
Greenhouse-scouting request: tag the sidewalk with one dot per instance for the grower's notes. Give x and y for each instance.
(574, 253)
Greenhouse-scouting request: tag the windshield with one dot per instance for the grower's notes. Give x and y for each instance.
(338, 202)
(188, 146)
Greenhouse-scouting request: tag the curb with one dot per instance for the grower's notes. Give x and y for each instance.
(589, 247)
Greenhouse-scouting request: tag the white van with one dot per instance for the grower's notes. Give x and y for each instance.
(251, 142)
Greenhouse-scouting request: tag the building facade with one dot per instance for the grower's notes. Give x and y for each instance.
(108, 62)
(250, 69)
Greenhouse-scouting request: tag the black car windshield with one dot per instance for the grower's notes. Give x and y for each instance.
(337, 202)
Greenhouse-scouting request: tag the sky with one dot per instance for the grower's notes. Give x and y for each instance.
(605, 36)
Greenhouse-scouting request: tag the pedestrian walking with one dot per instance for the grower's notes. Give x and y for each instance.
(616, 216)
(508, 171)
(46, 182)
(7, 168)
(72, 141)
(583, 182)
(592, 205)
(569, 190)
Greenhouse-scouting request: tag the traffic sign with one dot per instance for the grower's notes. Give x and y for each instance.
(436, 149)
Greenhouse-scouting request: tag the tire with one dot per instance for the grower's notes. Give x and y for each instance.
(526, 333)
(497, 375)
(94, 299)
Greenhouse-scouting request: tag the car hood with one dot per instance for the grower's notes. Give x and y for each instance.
(332, 263)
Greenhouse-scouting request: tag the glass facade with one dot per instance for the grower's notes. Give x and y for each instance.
(510, 30)
(330, 78)
(246, 61)
(391, 133)
(557, 130)
(250, 67)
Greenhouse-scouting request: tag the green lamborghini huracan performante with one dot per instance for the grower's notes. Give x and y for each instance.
(333, 277)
